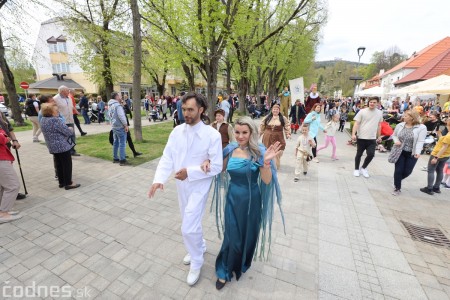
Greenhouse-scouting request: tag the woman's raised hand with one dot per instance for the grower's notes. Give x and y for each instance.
(272, 151)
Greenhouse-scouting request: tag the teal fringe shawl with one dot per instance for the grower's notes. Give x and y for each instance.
(269, 193)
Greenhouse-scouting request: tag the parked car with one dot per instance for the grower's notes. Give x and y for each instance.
(4, 109)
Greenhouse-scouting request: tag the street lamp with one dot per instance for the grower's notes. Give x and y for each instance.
(360, 52)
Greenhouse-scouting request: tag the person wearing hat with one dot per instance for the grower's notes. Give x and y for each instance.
(225, 129)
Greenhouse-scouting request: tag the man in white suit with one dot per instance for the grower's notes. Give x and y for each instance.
(189, 145)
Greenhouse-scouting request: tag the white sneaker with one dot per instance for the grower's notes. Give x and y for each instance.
(365, 172)
(193, 276)
(396, 192)
(315, 159)
(187, 259)
(356, 173)
(9, 218)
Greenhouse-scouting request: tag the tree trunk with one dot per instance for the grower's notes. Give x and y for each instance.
(8, 80)
(212, 67)
(106, 73)
(228, 66)
(189, 73)
(137, 55)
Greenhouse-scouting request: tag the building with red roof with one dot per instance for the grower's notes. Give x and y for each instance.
(398, 74)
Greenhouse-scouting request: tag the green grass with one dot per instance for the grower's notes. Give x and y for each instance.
(154, 140)
(26, 127)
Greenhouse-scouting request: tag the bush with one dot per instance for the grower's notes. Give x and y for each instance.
(351, 115)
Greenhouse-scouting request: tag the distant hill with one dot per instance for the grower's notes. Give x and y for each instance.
(332, 63)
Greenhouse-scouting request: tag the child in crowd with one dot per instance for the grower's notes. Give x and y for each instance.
(343, 119)
(303, 151)
(331, 113)
(331, 129)
(446, 180)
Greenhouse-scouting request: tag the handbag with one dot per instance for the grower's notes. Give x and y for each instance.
(396, 151)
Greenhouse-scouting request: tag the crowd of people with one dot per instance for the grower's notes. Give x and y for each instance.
(229, 158)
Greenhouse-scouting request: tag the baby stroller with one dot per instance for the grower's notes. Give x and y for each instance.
(176, 121)
(155, 113)
(93, 115)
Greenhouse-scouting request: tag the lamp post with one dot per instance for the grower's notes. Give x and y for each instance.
(360, 52)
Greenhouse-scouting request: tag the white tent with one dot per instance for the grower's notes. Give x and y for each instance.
(436, 85)
(374, 91)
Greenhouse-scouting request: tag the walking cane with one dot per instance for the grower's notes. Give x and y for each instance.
(21, 173)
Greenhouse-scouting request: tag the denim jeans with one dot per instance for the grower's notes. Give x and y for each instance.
(438, 167)
(403, 168)
(120, 139)
(84, 112)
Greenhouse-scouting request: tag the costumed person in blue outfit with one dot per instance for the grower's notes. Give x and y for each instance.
(313, 119)
(250, 190)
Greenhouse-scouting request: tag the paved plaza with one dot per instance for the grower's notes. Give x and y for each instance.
(107, 240)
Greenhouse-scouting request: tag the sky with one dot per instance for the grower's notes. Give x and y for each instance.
(411, 25)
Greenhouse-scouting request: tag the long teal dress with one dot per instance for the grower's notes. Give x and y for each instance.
(242, 219)
(245, 215)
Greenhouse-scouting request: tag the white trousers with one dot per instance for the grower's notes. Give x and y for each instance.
(192, 197)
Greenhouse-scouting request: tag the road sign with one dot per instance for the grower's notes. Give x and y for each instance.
(24, 85)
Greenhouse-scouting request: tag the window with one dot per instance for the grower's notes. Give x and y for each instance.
(52, 48)
(61, 68)
(62, 47)
(173, 90)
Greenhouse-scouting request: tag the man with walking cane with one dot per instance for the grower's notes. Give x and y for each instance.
(8, 129)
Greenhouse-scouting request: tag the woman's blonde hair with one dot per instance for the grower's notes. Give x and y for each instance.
(253, 147)
(414, 115)
(47, 109)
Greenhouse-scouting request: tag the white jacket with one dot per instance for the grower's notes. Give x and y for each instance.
(207, 144)
(420, 133)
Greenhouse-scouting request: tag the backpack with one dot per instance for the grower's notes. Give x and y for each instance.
(30, 110)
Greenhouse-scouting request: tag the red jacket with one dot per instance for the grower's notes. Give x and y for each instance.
(386, 129)
(5, 153)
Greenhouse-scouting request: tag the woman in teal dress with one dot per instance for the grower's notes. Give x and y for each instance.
(250, 189)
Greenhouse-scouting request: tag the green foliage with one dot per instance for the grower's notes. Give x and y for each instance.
(155, 138)
(332, 76)
(350, 115)
(105, 50)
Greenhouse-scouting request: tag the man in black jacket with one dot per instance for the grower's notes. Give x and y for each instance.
(84, 106)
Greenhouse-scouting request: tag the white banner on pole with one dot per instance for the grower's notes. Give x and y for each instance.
(297, 90)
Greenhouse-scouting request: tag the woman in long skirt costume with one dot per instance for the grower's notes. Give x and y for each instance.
(250, 191)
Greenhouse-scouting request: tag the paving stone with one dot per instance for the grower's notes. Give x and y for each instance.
(17, 270)
(337, 255)
(74, 274)
(389, 258)
(118, 288)
(439, 271)
(64, 266)
(399, 285)
(36, 259)
(435, 294)
(339, 281)
(100, 283)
